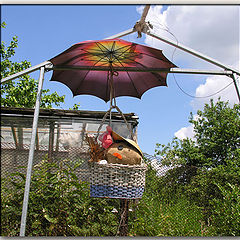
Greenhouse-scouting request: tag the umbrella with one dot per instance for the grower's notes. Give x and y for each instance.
(110, 68)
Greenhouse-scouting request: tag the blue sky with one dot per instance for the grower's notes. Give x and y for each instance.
(47, 30)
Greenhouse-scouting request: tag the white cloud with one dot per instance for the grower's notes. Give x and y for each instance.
(140, 9)
(185, 132)
(211, 30)
(212, 85)
(215, 84)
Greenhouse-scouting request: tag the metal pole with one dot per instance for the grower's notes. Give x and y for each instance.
(111, 95)
(31, 154)
(236, 87)
(145, 12)
(132, 30)
(193, 52)
(122, 34)
(26, 71)
(133, 69)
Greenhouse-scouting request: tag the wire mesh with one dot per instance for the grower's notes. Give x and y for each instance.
(57, 140)
(60, 202)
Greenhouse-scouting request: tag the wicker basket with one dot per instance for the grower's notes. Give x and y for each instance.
(117, 180)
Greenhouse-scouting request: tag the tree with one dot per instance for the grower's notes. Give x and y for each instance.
(21, 93)
(216, 140)
(207, 167)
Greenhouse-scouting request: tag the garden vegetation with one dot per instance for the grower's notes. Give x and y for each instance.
(198, 196)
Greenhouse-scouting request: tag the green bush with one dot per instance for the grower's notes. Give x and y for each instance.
(59, 204)
(226, 211)
(199, 204)
(206, 166)
(160, 213)
(178, 218)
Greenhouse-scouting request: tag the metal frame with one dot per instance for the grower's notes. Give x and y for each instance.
(228, 71)
(193, 52)
(132, 69)
(31, 153)
(26, 71)
(201, 56)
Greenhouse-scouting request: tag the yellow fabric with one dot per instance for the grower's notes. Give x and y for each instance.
(116, 137)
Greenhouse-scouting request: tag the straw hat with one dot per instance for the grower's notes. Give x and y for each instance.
(117, 137)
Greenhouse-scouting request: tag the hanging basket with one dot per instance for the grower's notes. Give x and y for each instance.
(117, 180)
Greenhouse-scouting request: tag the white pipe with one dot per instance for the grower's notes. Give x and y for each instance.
(31, 154)
(26, 71)
(122, 34)
(235, 85)
(133, 69)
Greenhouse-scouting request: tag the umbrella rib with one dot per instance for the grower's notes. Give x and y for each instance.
(113, 45)
(117, 49)
(100, 44)
(132, 54)
(101, 51)
(112, 56)
(162, 58)
(157, 75)
(87, 74)
(69, 60)
(96, 54)
(130, 78)
(107, 50)
(128, 46)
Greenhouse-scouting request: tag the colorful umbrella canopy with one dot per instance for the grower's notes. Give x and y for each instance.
(110, 68)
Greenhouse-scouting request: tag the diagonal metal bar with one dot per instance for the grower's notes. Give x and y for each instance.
(36, 67)
(26, 71)
(122, 34)
(193, 52)
(145, 12)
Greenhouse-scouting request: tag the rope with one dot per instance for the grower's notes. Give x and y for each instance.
(125, 121)
(113, 104)
(103, 120)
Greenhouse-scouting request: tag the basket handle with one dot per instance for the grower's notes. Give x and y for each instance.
(105, 116)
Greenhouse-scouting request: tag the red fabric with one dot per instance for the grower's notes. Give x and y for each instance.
(107, 53)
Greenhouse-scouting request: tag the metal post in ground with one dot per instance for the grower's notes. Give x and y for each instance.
(51, 141)
(123, 225)
(31, 154)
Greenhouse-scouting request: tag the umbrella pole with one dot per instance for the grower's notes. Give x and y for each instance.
(111, 95)
(111, 106)
(124, 203)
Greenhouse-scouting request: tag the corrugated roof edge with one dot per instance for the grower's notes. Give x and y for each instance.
(67, 113)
